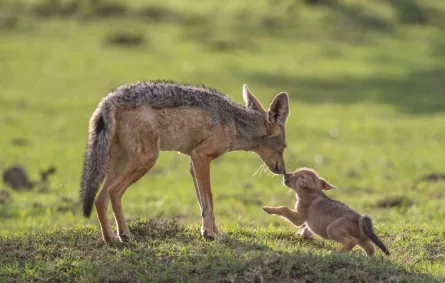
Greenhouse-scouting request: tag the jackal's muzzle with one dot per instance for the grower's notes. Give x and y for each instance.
(278, 168)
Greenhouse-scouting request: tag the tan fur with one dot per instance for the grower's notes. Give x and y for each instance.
(315, 213)
(139, 133)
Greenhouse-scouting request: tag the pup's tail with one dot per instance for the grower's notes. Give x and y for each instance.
(101, 129)
(366, 226)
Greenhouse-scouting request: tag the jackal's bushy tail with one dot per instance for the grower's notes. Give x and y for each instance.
(367, 229)
(96, 156)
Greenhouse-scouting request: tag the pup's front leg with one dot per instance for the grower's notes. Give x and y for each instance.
(286, 213)
(272, 210)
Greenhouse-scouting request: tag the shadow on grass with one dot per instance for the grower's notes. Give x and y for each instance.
(420, 92)
(164, 251)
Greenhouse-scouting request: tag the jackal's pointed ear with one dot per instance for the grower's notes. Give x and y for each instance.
(251, 101)
(325, 185)
(279, 109)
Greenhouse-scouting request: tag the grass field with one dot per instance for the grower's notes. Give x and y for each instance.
(367, 90)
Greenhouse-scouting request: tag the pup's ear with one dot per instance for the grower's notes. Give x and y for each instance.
(279, 109)
(307, 182)
(251, 101)
(325, 185)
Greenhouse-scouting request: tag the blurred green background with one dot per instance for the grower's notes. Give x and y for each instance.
(366, 81)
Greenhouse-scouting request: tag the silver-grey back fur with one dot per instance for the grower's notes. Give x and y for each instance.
(169, 94)
(158, 94)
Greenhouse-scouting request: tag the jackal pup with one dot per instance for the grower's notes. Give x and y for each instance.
(330, 219)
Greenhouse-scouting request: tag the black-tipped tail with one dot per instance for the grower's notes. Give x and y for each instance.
(367, 228)
(95, 162)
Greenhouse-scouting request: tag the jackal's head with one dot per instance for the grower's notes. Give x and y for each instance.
(270, 146)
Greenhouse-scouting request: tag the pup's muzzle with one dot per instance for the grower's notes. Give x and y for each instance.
(286, 178)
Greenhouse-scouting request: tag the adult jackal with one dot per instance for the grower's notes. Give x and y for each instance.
(134, 122)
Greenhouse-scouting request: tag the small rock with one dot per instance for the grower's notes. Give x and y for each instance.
(432, 177)
(396, 201)
(16, 178)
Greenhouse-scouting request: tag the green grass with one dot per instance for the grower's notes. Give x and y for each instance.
(165, 251)
(366, 84)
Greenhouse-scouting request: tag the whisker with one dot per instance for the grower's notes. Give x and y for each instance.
(266, 169)
(263, 169)
(258, 170)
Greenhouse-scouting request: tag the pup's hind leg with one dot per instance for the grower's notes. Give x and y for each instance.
(338, 231)
(348, 245)
(367, 246)
(305, 232)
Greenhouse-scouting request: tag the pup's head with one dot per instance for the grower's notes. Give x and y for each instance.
(271, 145)
(306, 179)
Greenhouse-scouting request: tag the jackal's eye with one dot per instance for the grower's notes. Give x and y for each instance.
(273, 141)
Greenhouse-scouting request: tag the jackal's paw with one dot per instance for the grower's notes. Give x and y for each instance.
(111, 240)
(268, 210)
(215, 229)
(124, 238)
(207, 235)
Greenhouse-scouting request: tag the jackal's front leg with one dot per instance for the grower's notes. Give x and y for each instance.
(201, 169)
(192, 172)
(286, 213)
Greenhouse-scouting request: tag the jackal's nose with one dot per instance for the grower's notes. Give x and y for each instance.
(279, 169)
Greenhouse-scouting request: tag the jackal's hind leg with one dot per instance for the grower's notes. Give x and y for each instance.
(136, 168)
(137, 134)
(101, 204)
(115, 170)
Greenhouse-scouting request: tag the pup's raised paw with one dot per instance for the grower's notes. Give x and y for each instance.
(268, 210)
